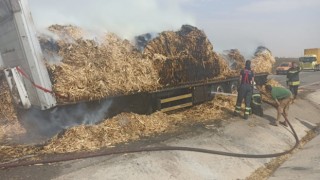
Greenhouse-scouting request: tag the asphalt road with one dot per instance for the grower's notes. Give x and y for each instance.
(306, 78)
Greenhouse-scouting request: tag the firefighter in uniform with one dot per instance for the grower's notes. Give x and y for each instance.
(293, 79)
(245, 90)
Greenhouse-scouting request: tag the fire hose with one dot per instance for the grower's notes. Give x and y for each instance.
(69, 157)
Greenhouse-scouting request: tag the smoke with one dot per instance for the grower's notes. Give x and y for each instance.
(41, 124)
(261, 50)
(126, 18)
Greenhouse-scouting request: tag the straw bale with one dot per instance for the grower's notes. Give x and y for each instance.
(90, 70)
(263, 60)
(187, 56)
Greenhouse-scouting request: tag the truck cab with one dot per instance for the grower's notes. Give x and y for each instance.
(311, 59)
(309, 63)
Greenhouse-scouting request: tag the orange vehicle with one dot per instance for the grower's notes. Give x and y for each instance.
(283, 68)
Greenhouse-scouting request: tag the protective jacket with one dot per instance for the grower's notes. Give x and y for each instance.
(246, 76)
(245, 91)
(293, 76)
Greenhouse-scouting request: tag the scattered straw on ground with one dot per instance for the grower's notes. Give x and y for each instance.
(122, 128)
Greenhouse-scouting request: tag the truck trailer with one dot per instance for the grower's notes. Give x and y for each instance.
(22, 60)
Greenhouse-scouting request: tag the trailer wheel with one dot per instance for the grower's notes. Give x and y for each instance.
(234, 88)
(219, 88)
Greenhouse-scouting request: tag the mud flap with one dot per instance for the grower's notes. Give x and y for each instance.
(17, 88)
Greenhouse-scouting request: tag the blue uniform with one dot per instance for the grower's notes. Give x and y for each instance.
(245, 91)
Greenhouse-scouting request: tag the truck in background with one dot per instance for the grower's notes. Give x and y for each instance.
(310, 60)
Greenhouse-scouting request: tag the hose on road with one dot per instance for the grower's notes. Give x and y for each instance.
(75, 156)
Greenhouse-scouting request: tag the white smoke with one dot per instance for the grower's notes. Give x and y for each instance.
(44, 124)
(127, 18)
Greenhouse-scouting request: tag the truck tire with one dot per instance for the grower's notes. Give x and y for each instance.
(219, 88)
(234, 88)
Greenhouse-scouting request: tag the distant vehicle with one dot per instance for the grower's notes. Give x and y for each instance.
(310, 60)
(283, 68)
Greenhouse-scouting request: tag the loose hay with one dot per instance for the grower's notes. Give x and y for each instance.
(235, 59)
(9, 124)
(93, 71)
(122, 128)
(185, 56)
(263, 60)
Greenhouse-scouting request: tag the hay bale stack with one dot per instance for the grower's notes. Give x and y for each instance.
(91, 71)
(263, 60)
(186, 56)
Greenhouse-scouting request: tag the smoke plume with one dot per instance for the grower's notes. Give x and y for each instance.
(41, 125)
(126, 18)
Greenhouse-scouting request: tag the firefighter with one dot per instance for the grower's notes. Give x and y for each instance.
(283, 98)
(293, 79)
(245, 90)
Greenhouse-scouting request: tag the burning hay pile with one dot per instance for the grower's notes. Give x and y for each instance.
(9, 124)
(92, 71)
(184, 56)
(263, 60)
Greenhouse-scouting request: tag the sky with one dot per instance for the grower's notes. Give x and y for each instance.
(286, 27)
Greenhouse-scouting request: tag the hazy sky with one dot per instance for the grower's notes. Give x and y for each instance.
(286, 27)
